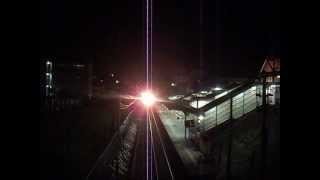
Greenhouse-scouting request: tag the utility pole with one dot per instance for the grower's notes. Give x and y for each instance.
(230, 143)
(201, 49)
(185, 126)
(90, 81)
(118, 131)
(264, 129)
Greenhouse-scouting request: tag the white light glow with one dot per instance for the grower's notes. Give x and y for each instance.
(117, 81)
(274, 86)
(200, 103)
(221, 94)
(175, 97)
(147, 98)
(201, 117)
(173, 84)
(278, 76)
(217, 88)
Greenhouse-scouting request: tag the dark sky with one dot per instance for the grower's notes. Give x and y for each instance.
(236, 34)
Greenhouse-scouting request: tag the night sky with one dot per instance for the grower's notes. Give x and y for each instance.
(237, 35)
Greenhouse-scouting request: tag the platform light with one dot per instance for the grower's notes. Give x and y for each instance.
(117, 81)
(175, 97)
(217, 88)
(173, 84)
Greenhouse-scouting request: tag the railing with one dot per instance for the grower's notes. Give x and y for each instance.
(245, 98)
(243, 102)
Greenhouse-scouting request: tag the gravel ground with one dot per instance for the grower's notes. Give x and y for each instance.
(71, 141)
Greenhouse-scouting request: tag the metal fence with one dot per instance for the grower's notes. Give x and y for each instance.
(242, 104)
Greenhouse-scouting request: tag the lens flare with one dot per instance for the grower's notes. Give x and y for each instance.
(147, 98)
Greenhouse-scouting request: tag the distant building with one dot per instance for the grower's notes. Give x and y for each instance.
(271, 71)
(72, 80)
(65, 79)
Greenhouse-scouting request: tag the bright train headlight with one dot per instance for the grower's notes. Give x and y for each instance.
(147, 98)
